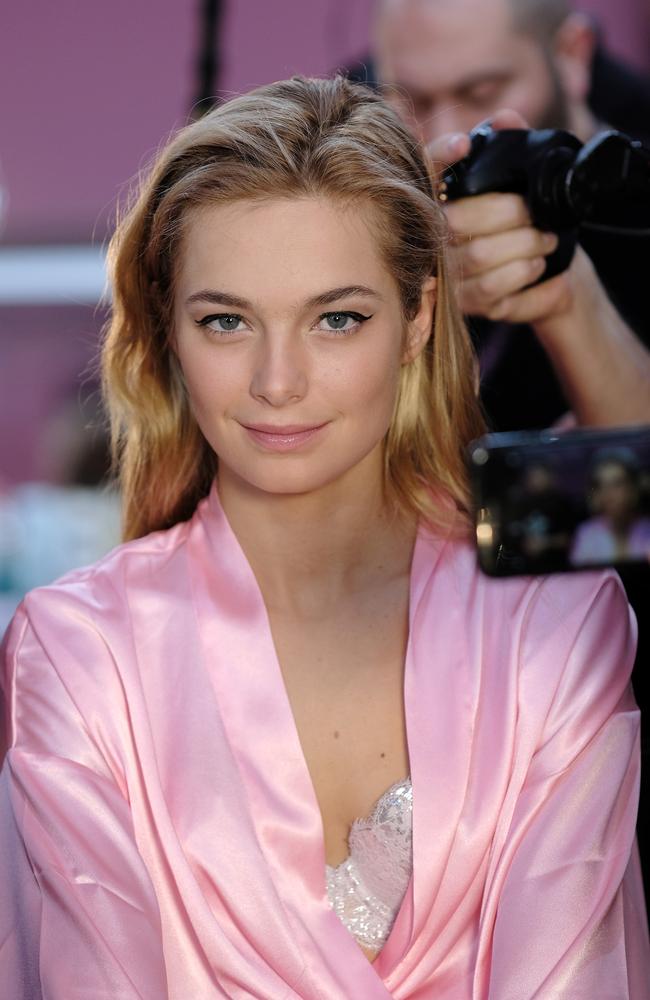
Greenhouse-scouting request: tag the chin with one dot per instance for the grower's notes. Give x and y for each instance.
(281, 480)
(287, 478)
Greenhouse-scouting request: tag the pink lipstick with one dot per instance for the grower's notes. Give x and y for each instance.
(283, 437)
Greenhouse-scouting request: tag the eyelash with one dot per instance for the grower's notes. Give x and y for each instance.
(205, 322)
(357, 318)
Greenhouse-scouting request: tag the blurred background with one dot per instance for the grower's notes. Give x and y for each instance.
(88, 92)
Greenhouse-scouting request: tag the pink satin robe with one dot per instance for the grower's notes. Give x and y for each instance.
(160, 833)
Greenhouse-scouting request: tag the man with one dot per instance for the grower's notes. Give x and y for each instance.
(559, 345)
(458, 61)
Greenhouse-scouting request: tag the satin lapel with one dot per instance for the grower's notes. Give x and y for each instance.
(259, 723)
(438, 705)
(439, 710)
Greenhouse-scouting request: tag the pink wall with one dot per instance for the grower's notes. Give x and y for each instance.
(626, 26)
(48, 358)
(271, 41)
(88, 91)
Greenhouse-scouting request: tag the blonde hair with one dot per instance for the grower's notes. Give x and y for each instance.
(300, 137)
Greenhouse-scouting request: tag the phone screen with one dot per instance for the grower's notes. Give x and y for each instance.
(556, 501)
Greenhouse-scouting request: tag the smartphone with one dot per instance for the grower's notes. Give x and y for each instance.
(555, 501)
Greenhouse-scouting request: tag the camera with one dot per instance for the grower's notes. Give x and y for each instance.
(604, 184)
(550, 501)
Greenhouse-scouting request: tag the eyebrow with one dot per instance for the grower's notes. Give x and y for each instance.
(218, 297)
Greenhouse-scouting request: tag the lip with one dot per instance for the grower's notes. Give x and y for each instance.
(283, 437)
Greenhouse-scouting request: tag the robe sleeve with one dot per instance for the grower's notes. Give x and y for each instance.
(78, 914)
(564, 913)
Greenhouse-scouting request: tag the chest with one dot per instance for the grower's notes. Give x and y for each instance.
(344, 676)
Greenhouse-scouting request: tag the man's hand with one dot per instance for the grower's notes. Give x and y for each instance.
(496, 252)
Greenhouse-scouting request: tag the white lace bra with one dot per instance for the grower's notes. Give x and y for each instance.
(367, 889)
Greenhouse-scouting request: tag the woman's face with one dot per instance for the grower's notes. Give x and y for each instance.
(615, 495)
(289, 332)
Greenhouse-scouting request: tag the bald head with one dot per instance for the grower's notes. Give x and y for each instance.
(539, 18)
(453, 63)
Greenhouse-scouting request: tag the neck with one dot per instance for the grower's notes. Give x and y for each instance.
(311, 549)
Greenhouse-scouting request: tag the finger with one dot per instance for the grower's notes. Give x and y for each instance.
(447, 149)
(536, 304)
(484, 253)
(507, 118)
(484, 214)
(480, 295)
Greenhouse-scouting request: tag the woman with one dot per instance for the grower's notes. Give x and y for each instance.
(618, 530)
(297, 632)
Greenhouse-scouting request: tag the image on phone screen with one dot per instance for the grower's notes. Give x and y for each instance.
(551, 502)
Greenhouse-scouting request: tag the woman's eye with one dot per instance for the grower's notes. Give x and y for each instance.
(223, 322)
(341, 322)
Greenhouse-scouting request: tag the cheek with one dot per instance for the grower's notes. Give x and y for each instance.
(530, 94)
(210, 382)
(365, 381)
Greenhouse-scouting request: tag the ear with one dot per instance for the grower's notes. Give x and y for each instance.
(420, 327)
(573, 50)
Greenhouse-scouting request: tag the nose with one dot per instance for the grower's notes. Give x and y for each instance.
(444, 119)
(280, 374)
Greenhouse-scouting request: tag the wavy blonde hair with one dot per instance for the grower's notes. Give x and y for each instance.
(300, 137)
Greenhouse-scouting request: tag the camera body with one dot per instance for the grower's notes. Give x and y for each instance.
(603, 184)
